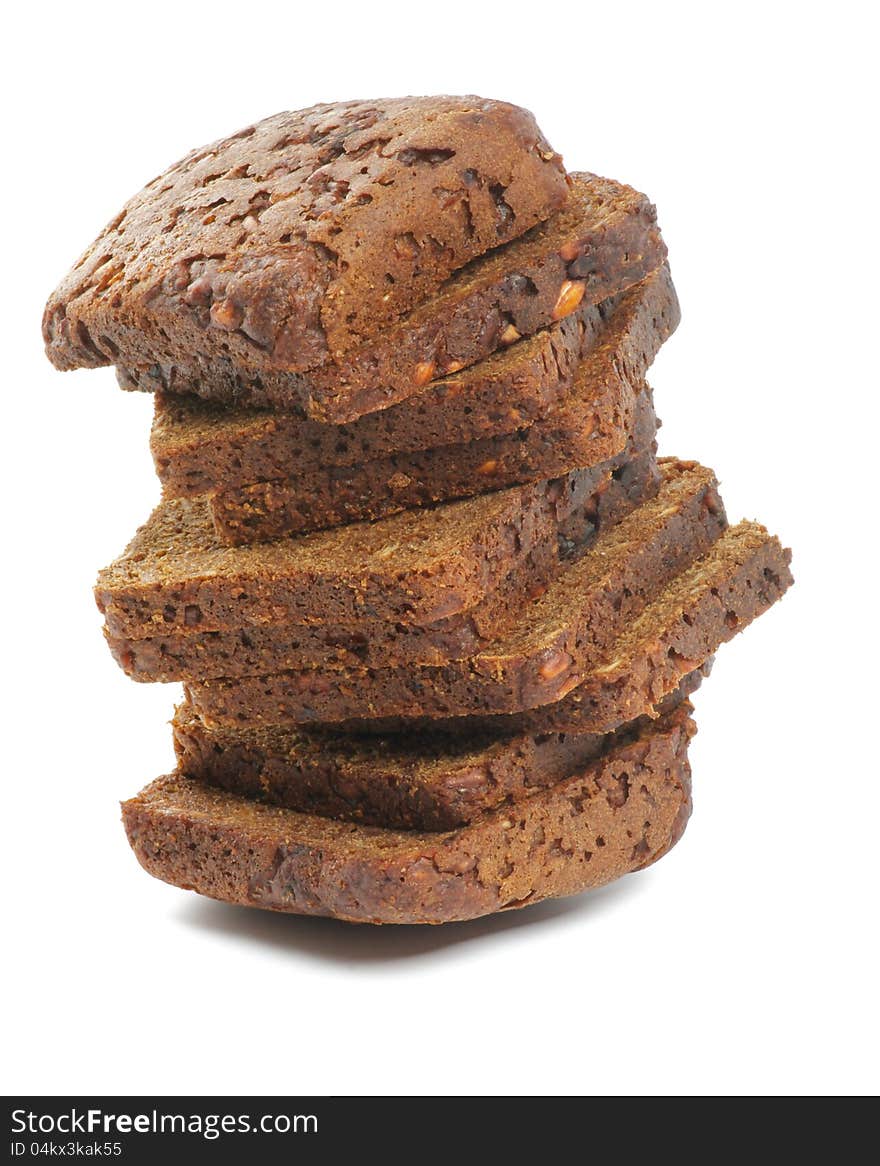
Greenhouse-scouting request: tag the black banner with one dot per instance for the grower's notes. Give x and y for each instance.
(135, 1130)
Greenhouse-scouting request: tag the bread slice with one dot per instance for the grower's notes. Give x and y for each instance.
(413, 568)
(618, 814)
(558, 651)
(603, 413)
(610, 429)
(199, 447)
(605, 240)
(254, 649)
(745, 573)
(297, 238)
(430, 781)
(587, 602)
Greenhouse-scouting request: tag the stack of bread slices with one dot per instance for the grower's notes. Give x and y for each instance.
(436, 604)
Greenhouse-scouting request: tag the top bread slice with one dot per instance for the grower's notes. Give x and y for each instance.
(603, 241)
(294, 240)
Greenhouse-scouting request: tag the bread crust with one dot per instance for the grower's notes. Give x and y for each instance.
(297, 238)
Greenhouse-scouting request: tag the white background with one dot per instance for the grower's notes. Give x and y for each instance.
(744, 962)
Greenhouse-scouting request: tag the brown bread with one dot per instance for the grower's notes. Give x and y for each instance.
(198, 446)
(604, 241)
(605, 433)
(413, 568)
(746, 572)
(551, 657)
(619, 814)
(556, 639)
(422, 781)
(296, 239)
(255, 649)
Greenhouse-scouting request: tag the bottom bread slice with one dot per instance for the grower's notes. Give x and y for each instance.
(618, 814)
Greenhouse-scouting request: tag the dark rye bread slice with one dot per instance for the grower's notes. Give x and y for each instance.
(553, 638)
(295, 239)
(586, 601)
(743, 573)
(253, 650)
(604, 241)
(619, 814)
(413, 568)
(198, 446)
(430, 781)
(595, 422)
(610, 428)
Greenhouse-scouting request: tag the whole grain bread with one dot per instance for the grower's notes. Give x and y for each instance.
(296, 239)
(605, 240)
(617, 422)
(744, 574)
(199, 446)
(254, 649)
(619, 814)
(554, 640)
(549, 659)
(430, 781)
(413, 568)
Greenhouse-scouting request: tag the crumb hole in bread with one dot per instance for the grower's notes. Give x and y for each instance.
(415, 156)
(505, 211)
